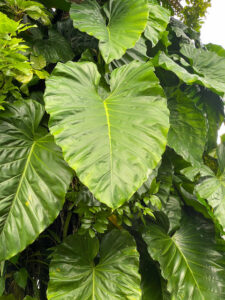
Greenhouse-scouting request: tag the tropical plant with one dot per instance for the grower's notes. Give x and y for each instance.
(112, 185)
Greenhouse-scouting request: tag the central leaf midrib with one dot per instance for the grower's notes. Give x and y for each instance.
(110, 143)
(188, 267)
(20, 184)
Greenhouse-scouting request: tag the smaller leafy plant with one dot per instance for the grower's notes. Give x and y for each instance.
(15, 67)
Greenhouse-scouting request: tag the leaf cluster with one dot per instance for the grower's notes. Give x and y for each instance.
(112, 185)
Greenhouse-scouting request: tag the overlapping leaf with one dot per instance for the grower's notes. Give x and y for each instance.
(107, 139)
(187, 134)
(158, 20)
(118, 28)
(209, 69)
(74, 274)
(209, 66)
(55, 48)
(189, 260)
(212, 188)
(31, 191)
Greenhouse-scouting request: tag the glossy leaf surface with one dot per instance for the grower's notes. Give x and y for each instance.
(117, 29)
(105, 137)
(31, 192)
(75, 275)
(189, 260)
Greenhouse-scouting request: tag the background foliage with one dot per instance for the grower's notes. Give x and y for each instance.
(112, 185)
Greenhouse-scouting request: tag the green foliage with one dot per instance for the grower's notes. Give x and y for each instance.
(111, 180)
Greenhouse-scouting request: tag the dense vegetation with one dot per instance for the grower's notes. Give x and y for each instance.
(112, 185)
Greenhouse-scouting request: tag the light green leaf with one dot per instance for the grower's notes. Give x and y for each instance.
(74, 274)
(187, 134)
(7, 25)
(117, 30)
(38, 62)
(219, 50)
(209, 66)
(189, 260)
(212, 188)
(213, 78)
(111, 144)
(31, 192)
(158, 20)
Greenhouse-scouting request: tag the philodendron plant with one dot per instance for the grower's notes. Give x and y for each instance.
(112, 184)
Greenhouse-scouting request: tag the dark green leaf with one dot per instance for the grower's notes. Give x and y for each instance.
(55, 48)
(21, 278)
(75, 275)
(31, 193)
(187, 134)
(2, 285)
(189, 260)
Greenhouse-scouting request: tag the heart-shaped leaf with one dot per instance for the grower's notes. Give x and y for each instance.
(75, 275)
(117, 26)
(113, 140)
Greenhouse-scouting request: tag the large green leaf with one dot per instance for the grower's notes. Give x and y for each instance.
(211, 76)
(117, 29)
(209, 66)
(112, 141)
(212, 188)
(189, 260)
(187, 134)
(157, 22)
(74, 273)
(31, 191)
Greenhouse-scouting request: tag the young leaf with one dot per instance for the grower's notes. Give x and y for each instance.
(31, 192)
(117, 30)
(110, 143)
(74, 274)
(189, 260)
